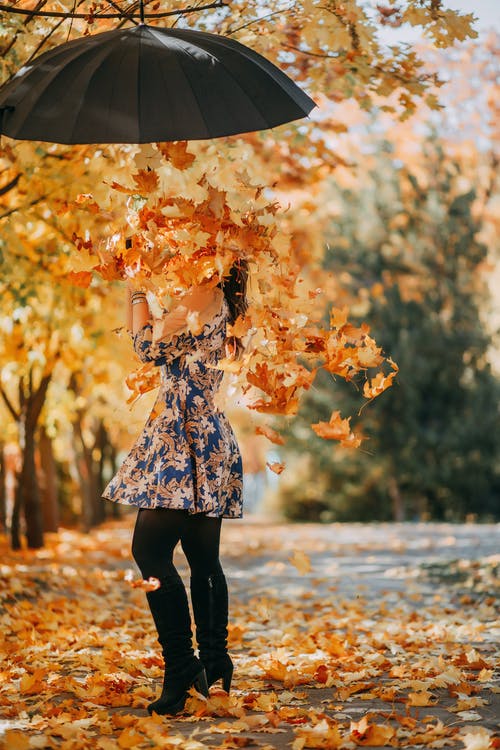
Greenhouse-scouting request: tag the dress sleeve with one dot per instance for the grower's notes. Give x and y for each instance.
(166, 351)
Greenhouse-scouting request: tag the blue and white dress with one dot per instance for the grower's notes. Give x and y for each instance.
(187, 455)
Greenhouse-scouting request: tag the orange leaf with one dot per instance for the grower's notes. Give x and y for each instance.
(374, 735)
(270, 434)
(80, 278)
(151, 584)
(378, 384)
(336, 429)
(422, 698)
(276, 467)
(177, 154)
(146, 180)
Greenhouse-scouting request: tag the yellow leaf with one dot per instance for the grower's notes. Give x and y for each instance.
(15, 739)
(422, 698)
(300, 561)
(130, 738)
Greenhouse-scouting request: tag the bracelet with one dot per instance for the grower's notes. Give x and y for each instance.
(138, 300)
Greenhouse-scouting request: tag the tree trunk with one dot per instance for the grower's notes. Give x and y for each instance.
(115, 507)
(85, 466)
(398, 507)
(15, 531)
(102, 445)
(30, 492)
(48, 485)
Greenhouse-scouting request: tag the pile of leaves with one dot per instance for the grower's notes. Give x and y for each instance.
(314, 669)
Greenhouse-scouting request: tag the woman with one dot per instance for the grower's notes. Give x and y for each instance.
(184, 474)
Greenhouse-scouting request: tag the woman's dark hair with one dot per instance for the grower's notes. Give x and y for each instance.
(234, 287)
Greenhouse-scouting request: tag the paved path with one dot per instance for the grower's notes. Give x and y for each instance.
(342, 635)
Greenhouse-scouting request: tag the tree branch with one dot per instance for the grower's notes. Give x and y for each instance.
(12, 184)
(122, 15)
(9, 406)
(38, 398)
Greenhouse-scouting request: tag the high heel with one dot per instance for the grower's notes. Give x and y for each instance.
(176, 686)
(210, 607)
(227, 677)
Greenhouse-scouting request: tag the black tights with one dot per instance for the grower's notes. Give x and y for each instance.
(157, 532)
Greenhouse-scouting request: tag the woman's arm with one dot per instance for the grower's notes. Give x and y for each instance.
(138, 313)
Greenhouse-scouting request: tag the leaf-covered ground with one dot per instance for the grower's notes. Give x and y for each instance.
(342, 635)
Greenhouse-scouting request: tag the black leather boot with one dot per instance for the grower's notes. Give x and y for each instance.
(209, 597)
(170, 610)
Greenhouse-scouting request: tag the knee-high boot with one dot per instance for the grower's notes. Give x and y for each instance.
(170, 610)
(209, 597)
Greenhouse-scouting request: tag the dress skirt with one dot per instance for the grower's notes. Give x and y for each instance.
(187, 456)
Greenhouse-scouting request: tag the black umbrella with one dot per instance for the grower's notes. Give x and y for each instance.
(147, 84)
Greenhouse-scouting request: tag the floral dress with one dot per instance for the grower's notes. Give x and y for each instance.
(187, 455)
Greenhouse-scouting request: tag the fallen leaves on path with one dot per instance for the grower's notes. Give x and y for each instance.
(313, 669)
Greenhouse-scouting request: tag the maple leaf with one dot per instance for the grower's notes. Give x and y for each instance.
(80, 278)
(276, 467)
(476, 739)
(337, 429)
(378, 385)
(177, 154)
(146, 180)
(300, 561)
(151, 584)
(270, 434)
(375, 735)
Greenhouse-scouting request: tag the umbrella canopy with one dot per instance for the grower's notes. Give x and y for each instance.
(147, 84)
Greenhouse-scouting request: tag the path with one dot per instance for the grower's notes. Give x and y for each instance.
(342, 635)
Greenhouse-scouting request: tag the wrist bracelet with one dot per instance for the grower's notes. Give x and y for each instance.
(137, 300)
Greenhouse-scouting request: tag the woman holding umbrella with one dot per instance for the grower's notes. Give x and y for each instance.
(184, 475)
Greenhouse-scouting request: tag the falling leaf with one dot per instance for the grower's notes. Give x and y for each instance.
(80, 278)
(151, 584)
(300, 561)
(270, 434)
(276, 467)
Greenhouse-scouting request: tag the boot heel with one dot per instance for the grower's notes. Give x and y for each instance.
(201, 684)
(226, 679)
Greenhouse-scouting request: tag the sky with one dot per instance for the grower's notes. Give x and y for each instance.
(486, 11)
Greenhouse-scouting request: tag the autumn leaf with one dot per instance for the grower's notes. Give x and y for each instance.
(422, 698)
(276, 467)
(378, 385)
(300, 561)
(270, 434)
(177, 154)
(373, 735)
(80, 278)
(337, 429)
(146, 180)
(151, 584)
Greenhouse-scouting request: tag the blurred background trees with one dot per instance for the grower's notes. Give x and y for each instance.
(409, 251)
